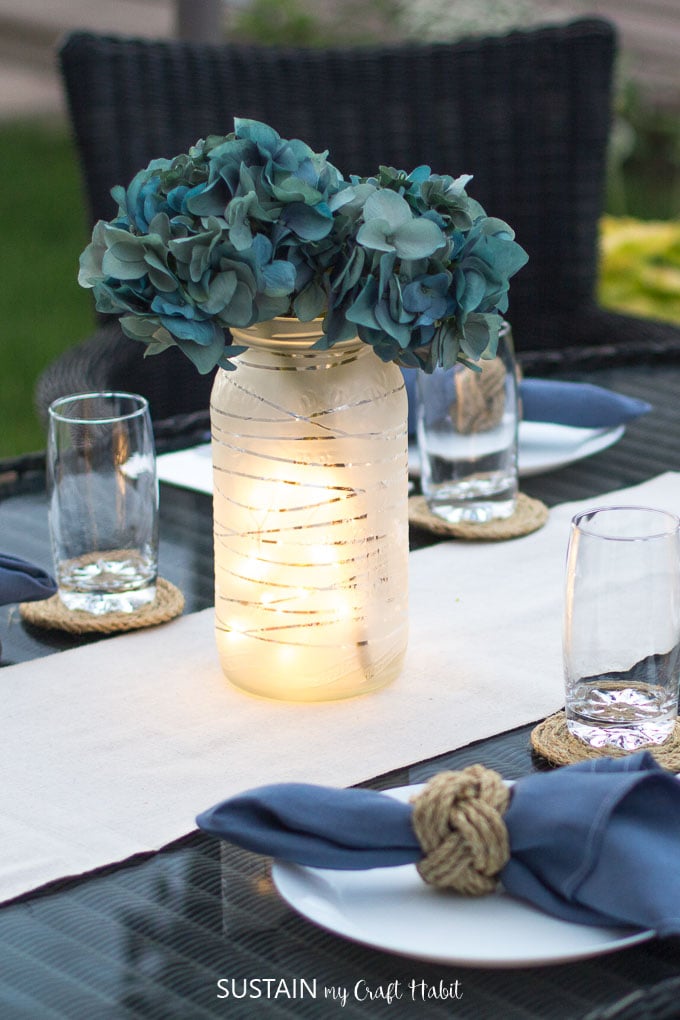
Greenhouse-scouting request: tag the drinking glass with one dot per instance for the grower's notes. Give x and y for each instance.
(622, 626)
(103, 501)
(467, 420)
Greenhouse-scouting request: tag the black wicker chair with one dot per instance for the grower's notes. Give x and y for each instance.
(527, 113)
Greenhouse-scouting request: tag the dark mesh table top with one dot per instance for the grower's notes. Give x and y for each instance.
(152, 937)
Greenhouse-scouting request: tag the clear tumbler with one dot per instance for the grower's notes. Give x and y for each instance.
(467, 422)
(622, 626)
(103, 501)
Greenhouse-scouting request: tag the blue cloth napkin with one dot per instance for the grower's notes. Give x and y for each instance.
(595, 843)
(21, 581)
(581, 404)
(562, 403)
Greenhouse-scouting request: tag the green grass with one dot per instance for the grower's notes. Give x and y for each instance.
(43, 230)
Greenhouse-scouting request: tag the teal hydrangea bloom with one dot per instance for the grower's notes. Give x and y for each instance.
(248, 226)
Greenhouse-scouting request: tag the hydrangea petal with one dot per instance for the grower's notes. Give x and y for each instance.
(239, 311)
(387, 206)
(417, 239)
(479, 335)
(279, 278)
(126, 262)
(310, 303)
(159, 274)
(374, 235)
(220, 293)
(200, 333)
(309, 223)
(139, 327)
(265, 137)
(363, 309)
(207, 355)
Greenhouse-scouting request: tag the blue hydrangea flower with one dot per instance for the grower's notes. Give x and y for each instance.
(247, 226)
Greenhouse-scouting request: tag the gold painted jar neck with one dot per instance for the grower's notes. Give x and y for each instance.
(284, 334)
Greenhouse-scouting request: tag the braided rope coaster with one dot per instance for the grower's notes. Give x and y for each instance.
(530, 515)
(52, 614)
(552, 740)
(458, 820)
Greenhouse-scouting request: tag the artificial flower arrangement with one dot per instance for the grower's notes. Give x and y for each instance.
(249, 226)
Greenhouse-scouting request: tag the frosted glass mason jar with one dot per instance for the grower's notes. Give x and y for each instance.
(310, 463)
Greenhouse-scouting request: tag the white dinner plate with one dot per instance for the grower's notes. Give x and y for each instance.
(394, 910)
(543, 446)
(189, 469)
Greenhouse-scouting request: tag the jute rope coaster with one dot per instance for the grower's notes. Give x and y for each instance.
(52, 614)
(553, 741)
(530, 515)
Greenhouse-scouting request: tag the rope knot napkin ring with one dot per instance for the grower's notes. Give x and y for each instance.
(458, 819)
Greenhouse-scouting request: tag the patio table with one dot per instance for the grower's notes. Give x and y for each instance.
(166, 935)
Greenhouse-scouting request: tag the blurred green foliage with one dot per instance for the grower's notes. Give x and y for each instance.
(640, 266)
(280, 22)
(644, 179)
(305, 23)
(43, 309)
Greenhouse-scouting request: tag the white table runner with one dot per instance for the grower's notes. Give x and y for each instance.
(112, 749)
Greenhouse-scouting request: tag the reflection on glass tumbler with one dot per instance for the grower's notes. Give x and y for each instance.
(103, 501)
(467, 422)
(622, 626)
